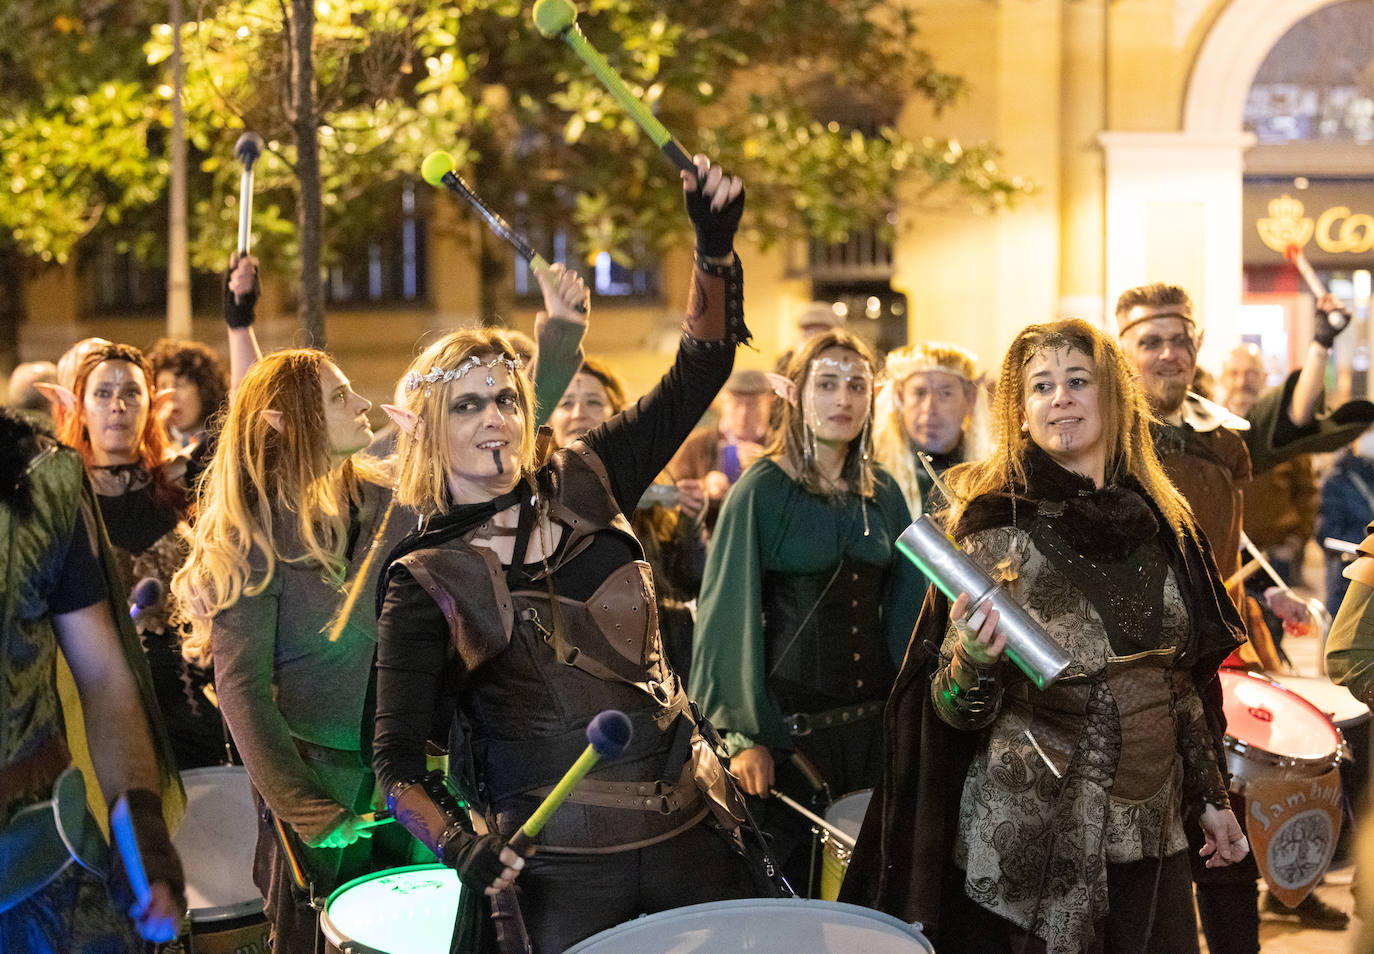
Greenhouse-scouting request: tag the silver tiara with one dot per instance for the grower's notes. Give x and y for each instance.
(846, 369)
(440, 376)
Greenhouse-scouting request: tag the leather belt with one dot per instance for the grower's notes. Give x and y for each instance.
(34, 774)
(804, 723)
(665, 798)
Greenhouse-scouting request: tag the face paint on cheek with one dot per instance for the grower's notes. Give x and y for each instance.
(496, 459)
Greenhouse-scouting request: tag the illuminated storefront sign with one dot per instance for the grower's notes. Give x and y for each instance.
(1334, 226)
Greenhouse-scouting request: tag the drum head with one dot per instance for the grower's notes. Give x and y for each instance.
(216, 842)
(401, 911)
(1336, 701)
(847, 812)
(1265, 715)
(764, 926)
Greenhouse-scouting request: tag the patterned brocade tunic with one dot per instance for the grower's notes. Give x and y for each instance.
(1085, 773)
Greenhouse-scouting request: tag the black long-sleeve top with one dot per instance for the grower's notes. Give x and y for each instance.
(415, 661)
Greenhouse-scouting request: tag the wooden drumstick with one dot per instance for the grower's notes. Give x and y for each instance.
(838, 834)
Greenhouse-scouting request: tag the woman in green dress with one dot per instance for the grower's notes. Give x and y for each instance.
(805, 606)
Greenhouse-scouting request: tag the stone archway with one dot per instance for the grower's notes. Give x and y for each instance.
(1174, 198)
(1230, 56)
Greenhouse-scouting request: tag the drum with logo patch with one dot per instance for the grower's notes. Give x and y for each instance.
(216, 841)
(1273, 732)
(847, 814)
(400, 911)
(761, 926)
(1351, 717)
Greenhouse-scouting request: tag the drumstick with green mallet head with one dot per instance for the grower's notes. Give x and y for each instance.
(438, 170)
(558, 19)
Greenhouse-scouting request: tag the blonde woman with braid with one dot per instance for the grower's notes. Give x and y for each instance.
(1012, 818)
(291, 518)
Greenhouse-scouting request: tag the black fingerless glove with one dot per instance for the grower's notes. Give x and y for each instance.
(476, 858)
(238, 312)
(1328, 325)
(160, 859)
(715, 230)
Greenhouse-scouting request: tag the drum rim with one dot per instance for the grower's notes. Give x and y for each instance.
(1261, 756)
(832, 846)
(774, 903)
(1249, 750)
(207, 770)
(331, 931)
(227, 912)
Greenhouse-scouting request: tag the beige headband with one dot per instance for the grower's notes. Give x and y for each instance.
(1149, 312)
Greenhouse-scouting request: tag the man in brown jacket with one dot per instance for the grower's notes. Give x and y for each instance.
(1207, 452)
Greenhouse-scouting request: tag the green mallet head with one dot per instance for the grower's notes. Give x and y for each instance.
(552, 17)
(435, 167)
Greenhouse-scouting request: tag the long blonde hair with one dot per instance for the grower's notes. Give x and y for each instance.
(422, 452)
(1126, 418)
(259, 473)
(790, 439)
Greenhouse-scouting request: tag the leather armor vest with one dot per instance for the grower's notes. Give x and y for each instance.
(527, 710)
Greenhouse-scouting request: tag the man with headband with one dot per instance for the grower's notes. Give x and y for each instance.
(930, 405)
(1207, 452)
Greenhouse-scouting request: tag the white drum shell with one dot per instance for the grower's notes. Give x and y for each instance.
(216, 842)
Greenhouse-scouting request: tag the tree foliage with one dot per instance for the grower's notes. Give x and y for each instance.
(79, 107)
(770, 88)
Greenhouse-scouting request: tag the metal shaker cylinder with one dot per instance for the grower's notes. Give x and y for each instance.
(1028, 645)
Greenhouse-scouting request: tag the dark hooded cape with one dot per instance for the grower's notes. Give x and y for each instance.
(903, 857)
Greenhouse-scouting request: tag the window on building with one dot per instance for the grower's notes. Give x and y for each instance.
(386, 264)
(1317, 84)
(607, 278)
(120, 284)
(858, 271)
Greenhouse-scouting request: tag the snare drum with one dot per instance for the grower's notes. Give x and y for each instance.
(1274, 732)
(216, 842)
(761, 926)
(847, 814)
(401, 911)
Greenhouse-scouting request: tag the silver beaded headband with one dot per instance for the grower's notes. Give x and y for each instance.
(440, 376)
(845, 369)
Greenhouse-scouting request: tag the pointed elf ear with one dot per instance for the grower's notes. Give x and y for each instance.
(783, 386)
(274, 419)
(407, 421)
(58, 396)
